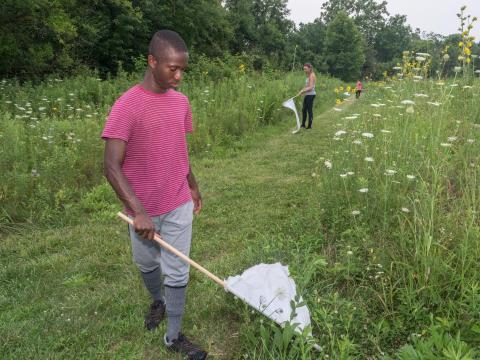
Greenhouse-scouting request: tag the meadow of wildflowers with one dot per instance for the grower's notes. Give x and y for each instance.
(400, 197)
(375, 210)
(50, 150)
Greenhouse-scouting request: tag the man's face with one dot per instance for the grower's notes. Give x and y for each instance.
(168, 68)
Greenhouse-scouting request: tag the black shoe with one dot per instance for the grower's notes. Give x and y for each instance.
(155, 315)
(303, 126)
(183, 346)
(309, 127)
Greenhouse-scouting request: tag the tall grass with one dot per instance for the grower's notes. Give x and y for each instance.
(400, 202)
(51, 153)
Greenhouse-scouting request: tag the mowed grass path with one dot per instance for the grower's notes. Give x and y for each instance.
(75, 293)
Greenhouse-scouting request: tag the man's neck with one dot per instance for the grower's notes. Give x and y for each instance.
(148, 83)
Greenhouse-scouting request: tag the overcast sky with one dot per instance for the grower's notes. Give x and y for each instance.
(436, 16)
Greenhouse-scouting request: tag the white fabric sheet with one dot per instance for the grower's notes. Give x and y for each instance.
(291, 105)
(269, 289)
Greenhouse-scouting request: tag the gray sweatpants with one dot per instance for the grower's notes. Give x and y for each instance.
(174, 227)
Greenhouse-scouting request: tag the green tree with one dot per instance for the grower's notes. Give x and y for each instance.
(261, 26)
(309, 41)
(369, 15)
(272, 25)
(344, 47)
(35, 37)
(203, 24)
(243, 24)
(395, 36)
(110, 33)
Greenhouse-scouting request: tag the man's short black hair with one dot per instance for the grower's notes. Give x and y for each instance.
(164, 39)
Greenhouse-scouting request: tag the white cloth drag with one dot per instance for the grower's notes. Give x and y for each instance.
(291, 105)
(270, 289)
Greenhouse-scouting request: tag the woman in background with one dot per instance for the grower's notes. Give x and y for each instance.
(309, 92)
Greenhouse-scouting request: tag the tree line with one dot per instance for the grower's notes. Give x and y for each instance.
(348, 39)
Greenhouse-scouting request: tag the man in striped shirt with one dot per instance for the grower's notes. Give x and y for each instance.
(146, 162)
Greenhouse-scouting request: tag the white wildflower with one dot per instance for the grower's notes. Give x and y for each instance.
(411, 177)
(445, 144)
(451, 138)
(405, 210)
(408, 102)
(355, 212)
(357, 142)
(363, 190)
(390, 172)
(369, 159)
(367, 135)
(328, 164)
(340, 132)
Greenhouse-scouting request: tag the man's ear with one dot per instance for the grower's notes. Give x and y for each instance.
(152, 62)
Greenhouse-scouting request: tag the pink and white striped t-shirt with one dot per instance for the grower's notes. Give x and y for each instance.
(156, 159)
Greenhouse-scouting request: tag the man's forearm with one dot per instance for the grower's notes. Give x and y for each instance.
(192, 182)
(119, 183)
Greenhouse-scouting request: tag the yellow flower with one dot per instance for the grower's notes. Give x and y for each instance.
(241, 68)
(336, 91)
(338, 101)
(348, 88)
(469, 44)
(468, 60)
(460, 44)
(341, 88)
(467, 51)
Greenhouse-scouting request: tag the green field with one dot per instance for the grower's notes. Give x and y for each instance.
(389, 272)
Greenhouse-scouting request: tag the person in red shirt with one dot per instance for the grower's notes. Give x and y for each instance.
(146, 162)
(358, 89)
